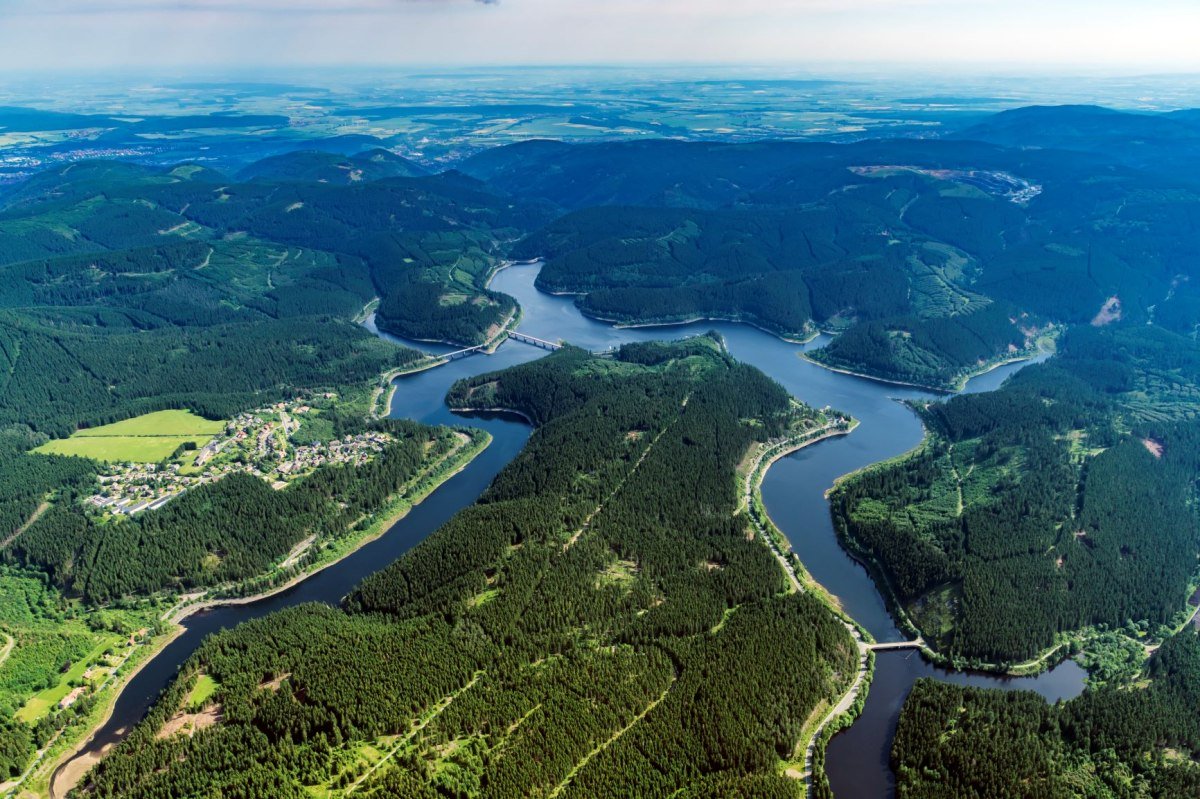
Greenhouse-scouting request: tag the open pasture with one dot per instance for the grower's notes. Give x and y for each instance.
(148, 438)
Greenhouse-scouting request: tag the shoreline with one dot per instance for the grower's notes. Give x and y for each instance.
(837, 481)
(846, 706)
(960, 383)
(77, 754)
(875, 379)
(512, 411)
(505, 264)
(754, 480)
(389, 379)
(753, 496)
(177, 615)
(623, 325)
(432, 361)
(627, 325)
(619, 325)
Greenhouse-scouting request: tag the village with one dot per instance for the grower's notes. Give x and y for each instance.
(279, 444)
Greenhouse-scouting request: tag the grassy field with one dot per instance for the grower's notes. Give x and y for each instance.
(148, 438)
(149, 449)
(159, 423)
(201, 692)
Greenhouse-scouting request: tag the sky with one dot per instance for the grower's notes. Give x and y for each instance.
(1102, 36)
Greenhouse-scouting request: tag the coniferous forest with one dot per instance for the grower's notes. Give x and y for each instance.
(1141, 741)
(603, 622)
(127, 289)
(1062, 501)
(605, 578)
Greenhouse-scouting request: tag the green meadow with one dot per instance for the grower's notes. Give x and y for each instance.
(148, 438)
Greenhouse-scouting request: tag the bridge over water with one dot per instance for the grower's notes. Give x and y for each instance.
(917, 644)
(524, 338)
(454, 356)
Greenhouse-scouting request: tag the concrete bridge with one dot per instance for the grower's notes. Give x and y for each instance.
(525, 338)
(454, 356)
(917, 644)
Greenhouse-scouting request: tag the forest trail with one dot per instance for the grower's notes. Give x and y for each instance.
(38, 758)
(588, 520)
(367, 309)
(206, 261)
(7, 649)
(420, 725)
(611, 740)
(1150, 649)
(958, 481)
(33, 517)
(174, 229)
(297, 552)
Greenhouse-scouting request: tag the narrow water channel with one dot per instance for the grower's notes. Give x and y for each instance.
(793, 491)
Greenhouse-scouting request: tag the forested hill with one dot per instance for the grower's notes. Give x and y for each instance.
(425, 245)
(318, 166)
(1064, 500)
(936, 257)
(599, 625)
(126, 288)
(1169, 142)
(1123, 741)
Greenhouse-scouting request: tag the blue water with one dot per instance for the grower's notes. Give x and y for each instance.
(793, 492)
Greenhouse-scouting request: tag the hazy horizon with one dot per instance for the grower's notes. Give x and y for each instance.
(978, 36)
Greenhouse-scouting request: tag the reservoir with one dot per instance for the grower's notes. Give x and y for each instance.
(794, 494)
(793, 491)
